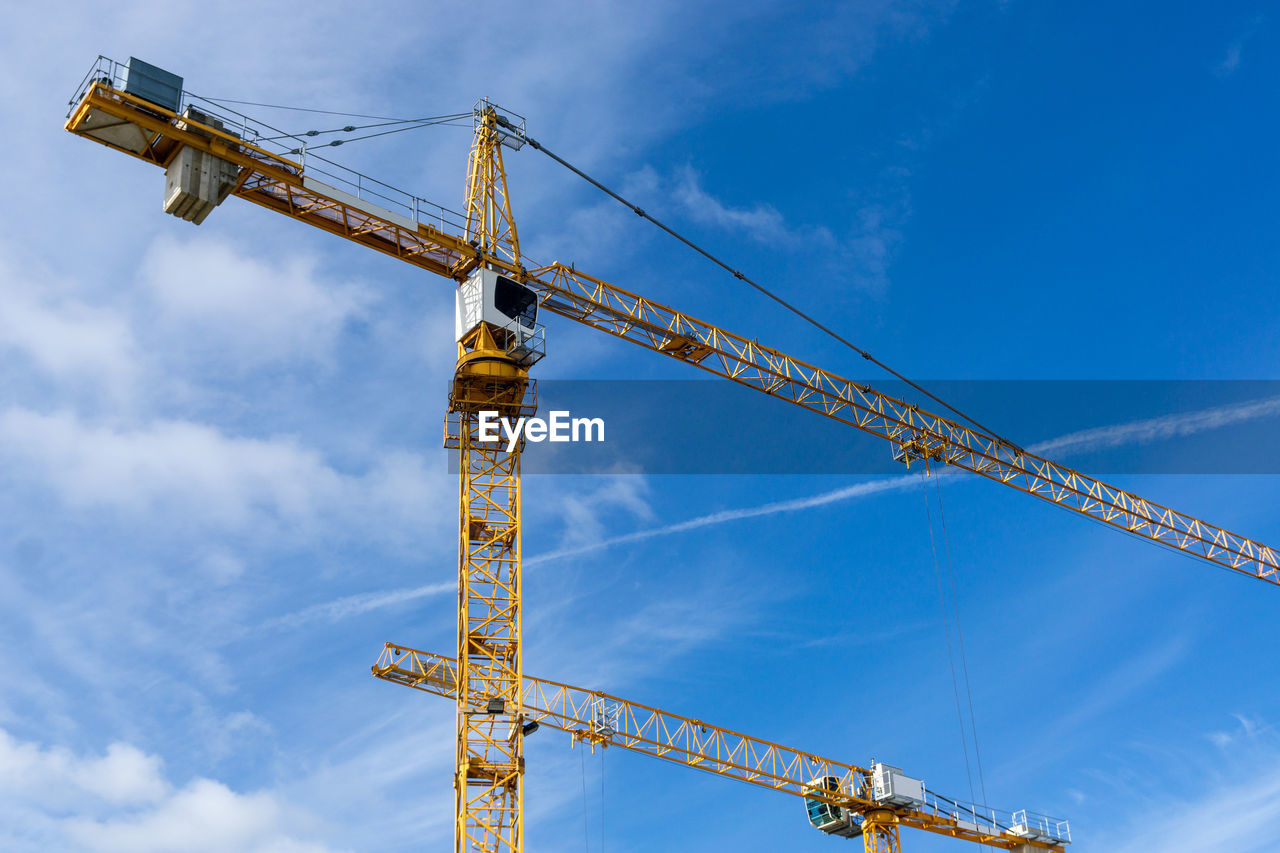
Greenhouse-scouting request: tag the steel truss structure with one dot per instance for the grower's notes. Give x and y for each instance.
(489, 757)
(494, 702)
(277, 182)
(601, 719)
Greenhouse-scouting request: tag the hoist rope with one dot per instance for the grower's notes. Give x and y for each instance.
(586, 814)
(946, 629)
(639, 211)
(964, 662)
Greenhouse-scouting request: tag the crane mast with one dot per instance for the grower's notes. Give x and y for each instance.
(491, 376)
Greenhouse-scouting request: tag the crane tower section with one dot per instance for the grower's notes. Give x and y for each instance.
(498, 336)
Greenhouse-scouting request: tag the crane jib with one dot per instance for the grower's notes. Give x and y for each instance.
(277, 182)
(602, 719)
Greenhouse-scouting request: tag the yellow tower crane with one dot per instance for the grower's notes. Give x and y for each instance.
(209, 153)
(841, 799)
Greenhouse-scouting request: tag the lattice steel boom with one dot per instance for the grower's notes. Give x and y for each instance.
(279, 183)
(601, 719)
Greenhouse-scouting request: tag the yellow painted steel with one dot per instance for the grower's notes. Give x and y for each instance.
(490, 226)
(277, 183)
(489, 755)
(601, 719)
(597, 303)
(880, 833)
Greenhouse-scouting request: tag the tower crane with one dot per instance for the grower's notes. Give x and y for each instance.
(210, 153)
(841, 799)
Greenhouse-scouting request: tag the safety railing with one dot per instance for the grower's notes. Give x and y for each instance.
(109, 72)
(1020, 823)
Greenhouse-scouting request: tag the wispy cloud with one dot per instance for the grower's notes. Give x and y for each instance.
(355, 605)
(1239, 786)
(729, 515)
(246, 310)
(1230, 61)
(1135, 432)
(585, 513)
(1246, 728)
(65, 336)
(219, 480)
(759, 221)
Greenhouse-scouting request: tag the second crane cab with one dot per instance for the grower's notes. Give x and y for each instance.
(510, 310)
(831, 819)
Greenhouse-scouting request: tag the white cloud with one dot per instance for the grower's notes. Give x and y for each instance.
(251, 311)
(62, 335)
(1245, 729)
(121, 801)
(123, 776)
(172, 467)
(355, 605)
(725, 516)
(875, 237)
(584, 512)
(1236, 792)
(1230, 61)
(204, 816)
(760, 221)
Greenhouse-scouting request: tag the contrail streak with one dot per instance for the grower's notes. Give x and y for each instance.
(354, 605)
(1134, 432)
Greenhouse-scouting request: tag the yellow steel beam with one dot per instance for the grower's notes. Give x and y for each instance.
(490, 225)
(489, 765)
(489, 761)
(664, 330)
(277, 183)
(600, 718)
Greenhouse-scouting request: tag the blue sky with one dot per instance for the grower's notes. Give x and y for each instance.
(224, 488)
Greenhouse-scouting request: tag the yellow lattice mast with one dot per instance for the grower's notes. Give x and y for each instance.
(490, 226)
(491, 376)
(879, 834)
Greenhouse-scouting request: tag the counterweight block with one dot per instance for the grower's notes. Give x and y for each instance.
(196, 182)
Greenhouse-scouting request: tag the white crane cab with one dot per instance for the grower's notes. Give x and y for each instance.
(510, 310)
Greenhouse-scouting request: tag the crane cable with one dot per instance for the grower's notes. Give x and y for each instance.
(964, 662)
(946, 630)
(336, 142)
(303, 109)
(639, 211)
(426, 121)
(586, 813)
